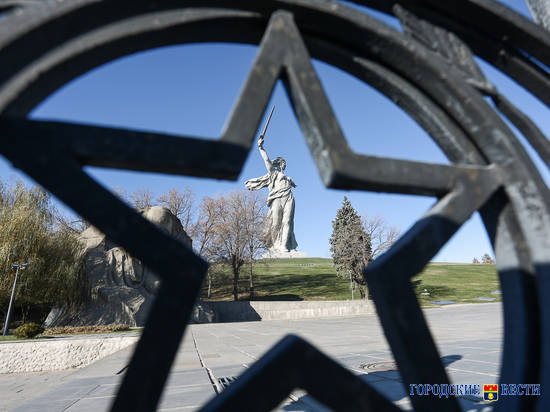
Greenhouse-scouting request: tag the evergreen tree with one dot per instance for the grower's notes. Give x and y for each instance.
(350, 246)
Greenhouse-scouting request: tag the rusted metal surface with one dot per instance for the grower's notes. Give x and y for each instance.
(428, 70)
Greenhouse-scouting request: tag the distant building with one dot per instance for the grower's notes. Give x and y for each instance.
(487, 259)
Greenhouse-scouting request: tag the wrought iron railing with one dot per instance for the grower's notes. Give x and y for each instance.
(428, 70)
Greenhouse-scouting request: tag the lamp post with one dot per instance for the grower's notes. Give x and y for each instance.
(16, 267)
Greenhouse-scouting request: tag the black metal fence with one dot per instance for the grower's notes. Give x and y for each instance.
(427, 69)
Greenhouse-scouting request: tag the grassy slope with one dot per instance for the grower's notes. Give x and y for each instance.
(461, 283)
(315, 279)
(7, 337)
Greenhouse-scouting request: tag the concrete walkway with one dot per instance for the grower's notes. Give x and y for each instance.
(468, 337)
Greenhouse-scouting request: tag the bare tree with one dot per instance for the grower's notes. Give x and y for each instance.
(204, 234)
(486, 259)
(142, 198)
(232, 230)
(382, 235)
(181, 204)
(206, 222)
(71, 224)
(256, 212)
(230, 240)
(122, 194)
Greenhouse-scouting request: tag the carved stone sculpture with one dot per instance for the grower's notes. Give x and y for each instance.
(540, 10)
(121, 288)
(279, 229)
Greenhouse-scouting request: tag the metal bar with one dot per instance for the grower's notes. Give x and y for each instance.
(252, 102)
(444, 130)
(495, 32)
(11, 301)
(526, 126)
(520, 308)
(150, 366)
(111, 39)
(118, 221)
(524, 70)
(180, 270)
(387, 278)
(267, 122)
(292, 363)
(492, 18)
(361, 172)
(469, 131)
(319, 125)
(124, 149)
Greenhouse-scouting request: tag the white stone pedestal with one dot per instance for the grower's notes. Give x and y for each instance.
(274, 254)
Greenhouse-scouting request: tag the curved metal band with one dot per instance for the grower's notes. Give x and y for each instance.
(66, 40)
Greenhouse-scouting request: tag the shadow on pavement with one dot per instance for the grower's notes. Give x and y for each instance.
(388, 383)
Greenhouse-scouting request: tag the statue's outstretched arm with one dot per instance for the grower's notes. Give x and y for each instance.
(263, 153)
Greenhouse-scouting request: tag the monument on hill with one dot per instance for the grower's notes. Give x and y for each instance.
(279, 228)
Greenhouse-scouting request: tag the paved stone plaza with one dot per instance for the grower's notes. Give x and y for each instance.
(468, 337)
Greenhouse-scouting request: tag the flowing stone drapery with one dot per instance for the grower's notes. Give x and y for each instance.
(279, 229)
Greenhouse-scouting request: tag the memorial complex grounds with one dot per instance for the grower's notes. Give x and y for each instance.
(315, 279)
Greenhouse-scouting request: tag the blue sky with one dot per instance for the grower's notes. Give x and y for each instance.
(190, 90)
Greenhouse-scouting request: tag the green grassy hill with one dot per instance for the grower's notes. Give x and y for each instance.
(315, 279)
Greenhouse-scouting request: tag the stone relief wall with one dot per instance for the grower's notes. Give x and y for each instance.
(121, 288)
